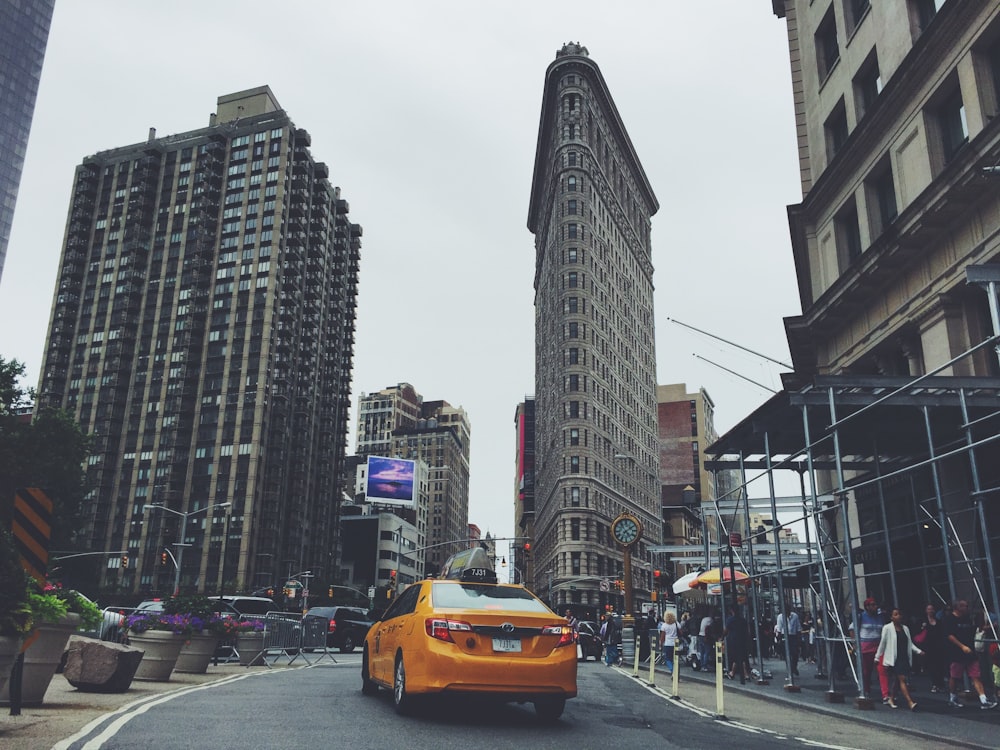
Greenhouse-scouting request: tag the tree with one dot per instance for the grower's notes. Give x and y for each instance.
(47, 452)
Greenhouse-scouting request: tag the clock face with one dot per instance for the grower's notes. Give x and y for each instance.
(625, 530)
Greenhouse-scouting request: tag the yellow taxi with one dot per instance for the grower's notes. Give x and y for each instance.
(465, 633)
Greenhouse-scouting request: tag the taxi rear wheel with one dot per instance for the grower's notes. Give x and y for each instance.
(403, 701)
(549, 709)
(368, 686)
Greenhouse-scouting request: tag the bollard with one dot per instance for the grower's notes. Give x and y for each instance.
(720, 709)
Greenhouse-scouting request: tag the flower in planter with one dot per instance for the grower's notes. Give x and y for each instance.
(161, 621)
(75, 603)
(237, 627)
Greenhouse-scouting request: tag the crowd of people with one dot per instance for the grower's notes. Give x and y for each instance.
(947, 646)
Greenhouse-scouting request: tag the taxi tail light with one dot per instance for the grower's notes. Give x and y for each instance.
(566, 635)
(441, 629)
(332, 627)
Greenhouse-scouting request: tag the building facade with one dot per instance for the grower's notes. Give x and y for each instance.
(24, 34)
(524, 495)
(896, 107)
(595, 379)
(202, 331)
(398, 423)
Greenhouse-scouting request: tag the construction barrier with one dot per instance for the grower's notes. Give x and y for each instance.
(293, 636)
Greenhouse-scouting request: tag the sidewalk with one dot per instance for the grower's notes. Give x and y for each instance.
(933, 720)
(66, 710)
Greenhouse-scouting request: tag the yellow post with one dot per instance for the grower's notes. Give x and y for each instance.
(676, 676)
(720, 711)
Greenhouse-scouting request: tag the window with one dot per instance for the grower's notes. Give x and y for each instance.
(881, 199)
(574, 436)
(573, 305)
(856, 10)
(922, 12)
(571, 279)
(574, 382)
(571, 206)
(574, 356)
(571, 158)
(574, 532)
(574, 496)
(867, 85)
(574, 409)
(848, 234)
(951, 121)
(571, 184)
(574, 464)
(836, 130)
(571, 231)
(827, 46)
(574, 330)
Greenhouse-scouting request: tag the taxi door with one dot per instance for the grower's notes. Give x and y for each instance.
(389, 633)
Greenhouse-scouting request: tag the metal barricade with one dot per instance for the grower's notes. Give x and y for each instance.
(289, 634)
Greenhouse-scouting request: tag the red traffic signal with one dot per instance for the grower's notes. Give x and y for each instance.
(527, 546)
(124, 562)
(163, 558)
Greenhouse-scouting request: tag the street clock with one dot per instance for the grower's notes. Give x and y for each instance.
(626, 530)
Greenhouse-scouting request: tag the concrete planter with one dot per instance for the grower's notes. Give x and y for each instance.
(197, 653)
(250, 646)
(161, 649)
(42, 658)
(10, 647)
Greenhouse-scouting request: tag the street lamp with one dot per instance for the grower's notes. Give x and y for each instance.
(181, 545)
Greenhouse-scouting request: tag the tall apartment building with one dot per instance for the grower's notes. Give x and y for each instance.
(24, 34)
(595, 378)
(202, 330)
(398, 423)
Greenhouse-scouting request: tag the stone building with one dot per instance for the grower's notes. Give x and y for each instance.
(595, 380)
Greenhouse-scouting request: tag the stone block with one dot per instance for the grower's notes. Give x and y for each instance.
(100, 666)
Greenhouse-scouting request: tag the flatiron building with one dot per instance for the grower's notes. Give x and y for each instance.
(596, 441)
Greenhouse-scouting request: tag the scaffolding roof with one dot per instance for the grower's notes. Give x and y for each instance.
(877, 419)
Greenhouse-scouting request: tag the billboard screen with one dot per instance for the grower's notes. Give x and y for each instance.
(390, 480)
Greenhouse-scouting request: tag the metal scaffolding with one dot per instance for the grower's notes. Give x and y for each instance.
(899, 481)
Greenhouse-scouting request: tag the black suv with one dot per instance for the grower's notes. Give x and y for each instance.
(348, 626)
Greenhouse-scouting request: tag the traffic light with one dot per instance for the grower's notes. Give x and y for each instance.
(124, 562)
(527, 548)
(392, 579)
(329, 592)
(163, 558)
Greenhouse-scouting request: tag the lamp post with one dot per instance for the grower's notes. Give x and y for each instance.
(181, 545)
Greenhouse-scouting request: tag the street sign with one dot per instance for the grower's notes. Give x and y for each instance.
(605, 585)
(293, 584)
(371, 592)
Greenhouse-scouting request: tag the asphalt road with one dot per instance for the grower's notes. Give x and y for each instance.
(323, 706)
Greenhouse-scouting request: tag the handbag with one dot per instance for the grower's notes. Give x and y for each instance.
(920, 637)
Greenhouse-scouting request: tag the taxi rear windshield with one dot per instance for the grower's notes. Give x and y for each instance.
(483, 596)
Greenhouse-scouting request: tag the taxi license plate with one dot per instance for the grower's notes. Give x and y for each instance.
(507, 645)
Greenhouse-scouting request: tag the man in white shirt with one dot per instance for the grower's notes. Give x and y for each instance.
(703, 645)
(793, 632)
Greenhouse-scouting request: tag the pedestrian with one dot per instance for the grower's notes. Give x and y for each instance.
(960, 636)
(668, 640)
(573, 622)
(984, 634)
(791, 628)
(870, 626)
(806, 651)
(612, 637)
(643, 628)
(703, 641)
(894, 650)
(737, 633)
(930, 638)
(818, 635)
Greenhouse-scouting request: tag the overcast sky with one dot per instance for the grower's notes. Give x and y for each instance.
(427, 115)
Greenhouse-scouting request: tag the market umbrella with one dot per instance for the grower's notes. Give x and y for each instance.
(683, 583)
(714, 576)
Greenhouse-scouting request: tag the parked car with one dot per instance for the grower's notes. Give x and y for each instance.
(348, 626)
(589, 640)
